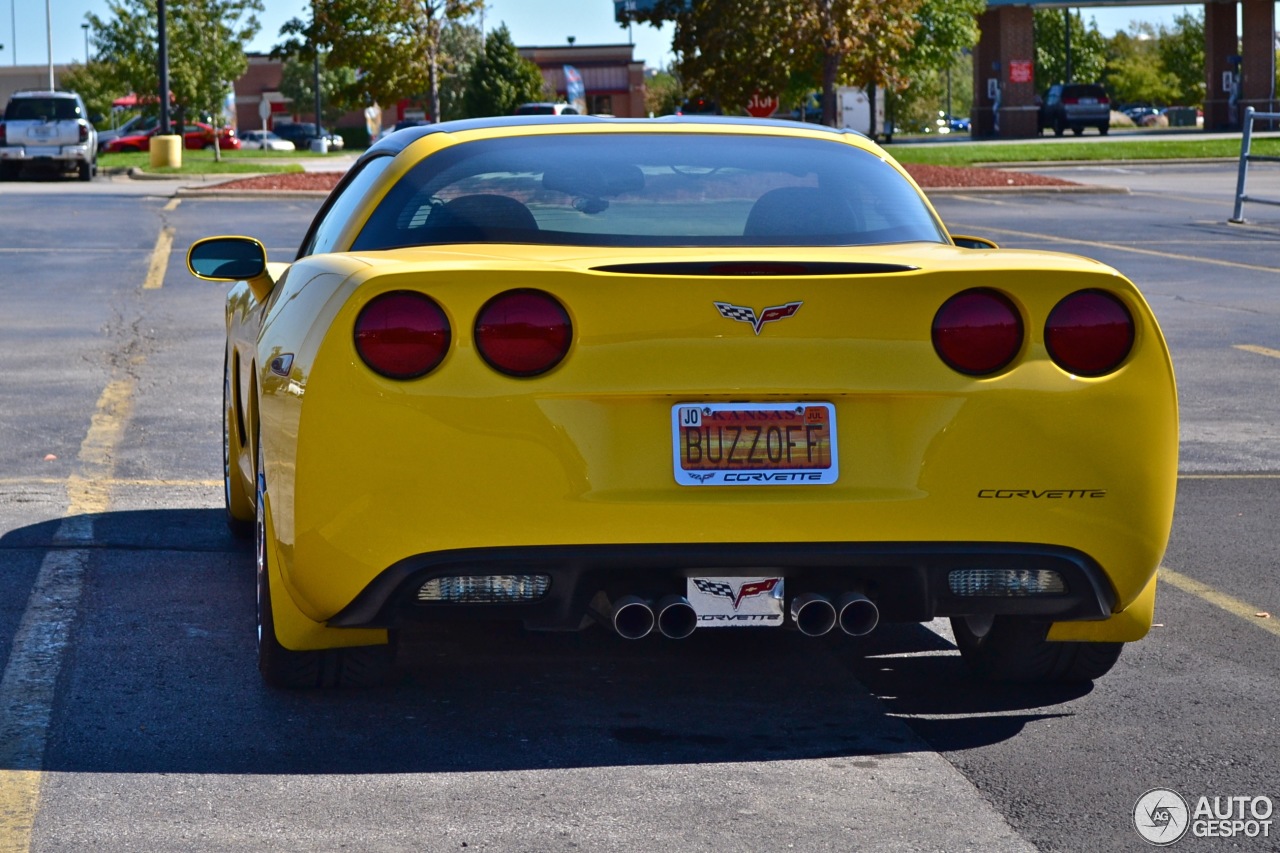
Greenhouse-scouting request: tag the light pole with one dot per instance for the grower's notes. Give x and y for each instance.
(48, 29)
(85, 27)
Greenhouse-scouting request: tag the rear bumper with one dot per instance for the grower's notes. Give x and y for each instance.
(47, 153)
(907, 581)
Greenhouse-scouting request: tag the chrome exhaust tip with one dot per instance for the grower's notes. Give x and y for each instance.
(676, 617)
(632, 617)
(858, 615)
(813, 614)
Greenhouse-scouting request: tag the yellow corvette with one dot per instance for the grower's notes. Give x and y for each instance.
(684, 375)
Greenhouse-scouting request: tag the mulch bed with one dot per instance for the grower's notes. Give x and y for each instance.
(929, 177)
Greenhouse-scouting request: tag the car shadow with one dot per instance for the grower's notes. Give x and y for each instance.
(160, 677)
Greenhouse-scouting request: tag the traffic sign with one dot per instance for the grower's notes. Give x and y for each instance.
(762, 106)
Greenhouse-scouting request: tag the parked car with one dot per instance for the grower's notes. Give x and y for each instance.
(195, 136)
(1075, 106)
(401, 125)
(137, 125)
(300, 133)
(546, 108)
(264, 140)
(47, 129)
(684, 375)
(1139, 113)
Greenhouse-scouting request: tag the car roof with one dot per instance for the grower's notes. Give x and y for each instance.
(402, 139)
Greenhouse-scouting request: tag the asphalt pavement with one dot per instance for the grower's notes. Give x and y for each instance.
(134, 719)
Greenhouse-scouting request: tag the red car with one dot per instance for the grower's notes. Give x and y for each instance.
(195, 137)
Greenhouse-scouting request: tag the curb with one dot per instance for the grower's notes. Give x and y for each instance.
(1082, 189)
(214, 192)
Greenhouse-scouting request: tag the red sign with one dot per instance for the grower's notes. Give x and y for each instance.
(762, 106)
(1021, 70)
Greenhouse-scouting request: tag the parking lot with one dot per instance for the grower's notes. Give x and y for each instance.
(131, 715)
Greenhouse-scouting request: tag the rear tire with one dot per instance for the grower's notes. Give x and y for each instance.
(1103, 129)
(1009, 648)
(357, 666)
(1058, 127)
(1078, 131)
(86, 171)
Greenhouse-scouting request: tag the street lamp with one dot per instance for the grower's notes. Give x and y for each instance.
(85, 27)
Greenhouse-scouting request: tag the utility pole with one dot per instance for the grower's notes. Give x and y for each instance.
(48, 28)
(164, 68)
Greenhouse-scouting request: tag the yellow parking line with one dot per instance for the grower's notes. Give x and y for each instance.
(28, 686)
(159, 260)
(1232, 605)
(172, 205)
(1054, 238)
(1259, 350)
(112, 483)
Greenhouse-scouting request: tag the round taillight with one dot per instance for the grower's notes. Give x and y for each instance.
(402, 334)
(977, 331)
(523, 332)
(1089, 333)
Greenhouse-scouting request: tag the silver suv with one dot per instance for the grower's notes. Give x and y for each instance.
(51, 129)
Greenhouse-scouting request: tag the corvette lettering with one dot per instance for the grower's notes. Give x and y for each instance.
(739, 617)
(1041, 494)
(770, 477)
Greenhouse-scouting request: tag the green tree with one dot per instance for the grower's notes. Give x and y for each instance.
(97, 84)
(948, 30)
(1135, 72)
(396, 44)
(786, 46)
(461, 47)
(207, 41)
(298, 84)
(1088, 49)
(1182, 54)
(502, 79)
(663, 93)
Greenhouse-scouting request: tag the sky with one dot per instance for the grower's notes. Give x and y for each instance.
(532, 23)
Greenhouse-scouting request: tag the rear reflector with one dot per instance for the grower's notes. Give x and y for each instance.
(1008, 583)
(977, 331)
(402, 334)
(1089, 333)
(523, 332)
(485, 589)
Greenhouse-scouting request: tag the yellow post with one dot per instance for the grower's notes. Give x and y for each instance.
(166, 151)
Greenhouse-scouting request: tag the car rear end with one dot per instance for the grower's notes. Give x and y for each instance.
(47, 129)
(1086, 105)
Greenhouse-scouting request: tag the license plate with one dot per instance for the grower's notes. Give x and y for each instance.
(737, 602)
(1088, 100)
(754, 444)
(42, 131)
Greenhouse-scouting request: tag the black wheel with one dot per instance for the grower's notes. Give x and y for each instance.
(9, 171)
(358, 666)
(86, 171)
(1008, 648)
(1078, 131)
(1059, 127)
(239, 506)
(1103, 128)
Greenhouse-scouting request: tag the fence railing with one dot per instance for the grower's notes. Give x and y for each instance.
(1246, 157)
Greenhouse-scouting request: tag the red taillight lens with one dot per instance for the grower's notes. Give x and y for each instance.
(402, 334)
(2, 134)
(977, 331)
(523, 332)
(84, 132)
(1089, 333)
(1072, 101)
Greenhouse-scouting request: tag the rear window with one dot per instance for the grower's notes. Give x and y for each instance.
(1080, 90)
(630, 190)
(42, 109)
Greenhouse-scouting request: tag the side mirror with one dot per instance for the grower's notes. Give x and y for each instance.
(232, 259)
(966, 242)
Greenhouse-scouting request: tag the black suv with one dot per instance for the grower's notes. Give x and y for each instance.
(1075, 106)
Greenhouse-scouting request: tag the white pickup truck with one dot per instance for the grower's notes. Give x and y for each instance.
(49, 129)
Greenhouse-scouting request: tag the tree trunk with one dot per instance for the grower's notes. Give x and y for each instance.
(830, 65)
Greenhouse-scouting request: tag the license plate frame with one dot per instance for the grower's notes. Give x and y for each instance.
(788, 443)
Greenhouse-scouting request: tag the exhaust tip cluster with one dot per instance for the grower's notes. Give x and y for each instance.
(633, 617)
